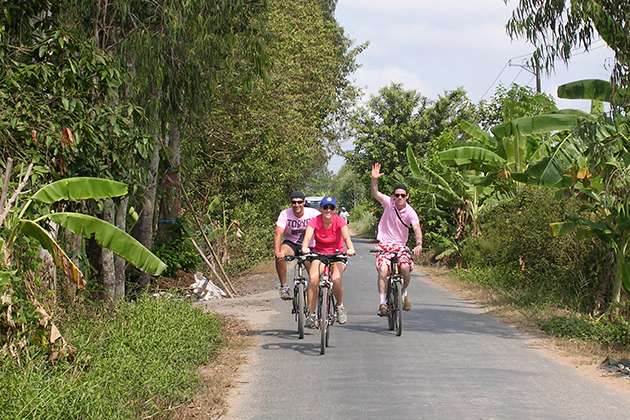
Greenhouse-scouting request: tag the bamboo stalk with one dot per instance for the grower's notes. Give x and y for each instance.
(205, 259)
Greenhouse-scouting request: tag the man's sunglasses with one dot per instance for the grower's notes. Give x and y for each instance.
(400, 195)
(297, 201)
(328, 207)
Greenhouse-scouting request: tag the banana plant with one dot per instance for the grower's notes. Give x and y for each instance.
(106, 234)
(517, 150)
(610, 207)
(448, 247)
(465, 191)
(604, 181)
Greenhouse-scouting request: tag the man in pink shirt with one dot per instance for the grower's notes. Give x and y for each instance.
(287, 240)
(393, 233)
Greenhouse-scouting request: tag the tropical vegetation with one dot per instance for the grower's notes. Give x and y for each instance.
(137, 135)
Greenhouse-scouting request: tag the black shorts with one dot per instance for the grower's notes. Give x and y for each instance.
(297, 248)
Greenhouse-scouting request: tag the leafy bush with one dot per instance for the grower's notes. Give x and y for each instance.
(134, 363)
(255, 243)
(615, 332)
(365, 219)
(178, 253)
(517, 245)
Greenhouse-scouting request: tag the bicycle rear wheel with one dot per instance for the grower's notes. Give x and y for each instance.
(300, 309)
(398, 308)
(323, 318)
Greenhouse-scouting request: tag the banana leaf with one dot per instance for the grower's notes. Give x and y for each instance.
(552, 168)
(413, 163)
(562, 228)
(480, 156)
(515, 152)
(80, 188)
(525, 178)
(543, 123)
(112, 238)
(62, 261)
(593, 89)
(479, 134)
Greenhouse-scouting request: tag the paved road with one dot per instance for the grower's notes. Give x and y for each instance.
(451, 362)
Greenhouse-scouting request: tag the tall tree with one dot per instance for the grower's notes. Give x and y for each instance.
(385, 126)
(177, 53)
(280, 128)
(558, 28)
(514, 102)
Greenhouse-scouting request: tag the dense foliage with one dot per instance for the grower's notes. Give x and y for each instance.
(518, 253)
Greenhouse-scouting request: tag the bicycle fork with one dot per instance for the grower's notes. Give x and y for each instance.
(326, 292)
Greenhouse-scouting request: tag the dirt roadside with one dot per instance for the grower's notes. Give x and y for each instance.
(252, 309)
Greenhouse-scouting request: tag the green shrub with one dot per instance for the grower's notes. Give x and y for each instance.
(365, 219)
(177, 253)
(254, 244)
(603, 331)
(516, 238)
(137, 362)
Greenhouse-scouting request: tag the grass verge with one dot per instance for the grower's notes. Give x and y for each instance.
(139, 361)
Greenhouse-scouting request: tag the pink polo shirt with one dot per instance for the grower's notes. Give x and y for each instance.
(390, 228)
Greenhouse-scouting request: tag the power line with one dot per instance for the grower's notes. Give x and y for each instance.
(574, 52)
(517, 74)
(495, 80)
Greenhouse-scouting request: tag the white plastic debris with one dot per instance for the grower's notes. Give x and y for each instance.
(205, 289)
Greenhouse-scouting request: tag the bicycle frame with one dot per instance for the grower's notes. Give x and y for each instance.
(300, 284)
(326, 303)
(395, 284)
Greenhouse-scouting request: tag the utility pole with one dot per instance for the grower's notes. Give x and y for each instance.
(535, 72)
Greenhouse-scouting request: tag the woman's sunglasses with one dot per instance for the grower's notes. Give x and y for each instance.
(328, 207)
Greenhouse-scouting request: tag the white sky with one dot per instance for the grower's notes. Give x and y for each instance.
(434, 46)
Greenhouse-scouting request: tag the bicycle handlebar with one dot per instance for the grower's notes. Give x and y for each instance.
(398, 253)
(339, 256)
(295, 257)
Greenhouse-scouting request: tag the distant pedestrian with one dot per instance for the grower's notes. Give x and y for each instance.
(344, 214)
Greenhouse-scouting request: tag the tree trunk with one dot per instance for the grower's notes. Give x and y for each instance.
(170, 193)
(119, 263)
(113, 290)
(145, 234)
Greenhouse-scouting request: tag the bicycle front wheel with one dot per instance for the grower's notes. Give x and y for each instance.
(398, 308)
(300, 309)
(331, 315)
(323, 318)
(391, 305)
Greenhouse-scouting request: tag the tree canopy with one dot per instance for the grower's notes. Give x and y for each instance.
(558, 29)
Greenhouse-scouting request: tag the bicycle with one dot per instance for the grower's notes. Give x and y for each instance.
(395, 282)
(300, 284)
(326, 303)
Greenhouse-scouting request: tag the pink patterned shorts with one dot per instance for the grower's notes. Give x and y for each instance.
(404, 259)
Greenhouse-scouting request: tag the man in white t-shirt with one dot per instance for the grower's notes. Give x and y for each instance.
(393, 234)
(289, 234)
(344, 214)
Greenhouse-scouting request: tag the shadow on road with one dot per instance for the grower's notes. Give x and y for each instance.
(291, 341)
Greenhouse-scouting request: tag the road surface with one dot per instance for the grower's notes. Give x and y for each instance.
(452, 361)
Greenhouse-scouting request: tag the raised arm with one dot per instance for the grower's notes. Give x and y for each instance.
(376, 174)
